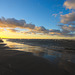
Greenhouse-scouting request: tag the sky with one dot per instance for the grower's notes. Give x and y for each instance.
(37, 19)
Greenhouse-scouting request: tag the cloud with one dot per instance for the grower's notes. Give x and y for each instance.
(67, 31)
(13, 23)
(69, 4)
(55, 15)
(41, 29)
(12, 30)
(68, 18)
(54, 32)
(68, 35)
(60, 12)
(63, 33)
(1, 30)
(67, 28)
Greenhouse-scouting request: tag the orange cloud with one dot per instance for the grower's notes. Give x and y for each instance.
(69, 4)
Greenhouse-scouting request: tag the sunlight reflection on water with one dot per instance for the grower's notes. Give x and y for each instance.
(52, 55)
(64, 59)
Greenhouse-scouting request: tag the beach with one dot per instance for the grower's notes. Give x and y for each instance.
(13, 62)
(37, 37)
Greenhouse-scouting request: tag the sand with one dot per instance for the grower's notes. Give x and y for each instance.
(14, 62)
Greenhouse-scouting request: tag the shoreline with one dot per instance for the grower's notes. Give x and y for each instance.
(61, 45)
(13, 62)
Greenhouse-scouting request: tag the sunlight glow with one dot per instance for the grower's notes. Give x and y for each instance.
(17, 35)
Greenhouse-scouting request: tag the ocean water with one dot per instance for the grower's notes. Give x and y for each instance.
(57, 51)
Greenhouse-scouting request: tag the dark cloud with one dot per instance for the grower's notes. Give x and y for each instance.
(54, 30)
(12, 30)
(67, 28)
(41, 29)
(13, 23)
(65, 31)
(68, 35)
(68, 18)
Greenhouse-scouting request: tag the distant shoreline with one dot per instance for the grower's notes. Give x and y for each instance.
(37, 39)
(60, 44)
(19, 62)
(13, 62)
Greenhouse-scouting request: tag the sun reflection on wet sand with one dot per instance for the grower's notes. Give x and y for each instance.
(44, 52)
(61, 58)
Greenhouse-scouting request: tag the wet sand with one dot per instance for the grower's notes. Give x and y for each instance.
(14, 62)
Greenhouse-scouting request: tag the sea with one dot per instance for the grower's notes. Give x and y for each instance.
(57, 51)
